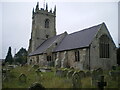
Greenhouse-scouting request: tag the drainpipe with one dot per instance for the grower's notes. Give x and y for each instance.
(89, 57)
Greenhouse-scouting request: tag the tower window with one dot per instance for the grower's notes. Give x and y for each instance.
(77, 55)
(47, 23)
(104, 46)
(47, 36)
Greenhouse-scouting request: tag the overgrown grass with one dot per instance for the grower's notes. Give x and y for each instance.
(48, 79)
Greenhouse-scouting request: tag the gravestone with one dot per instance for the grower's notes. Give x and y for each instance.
(118, 81)
(81, 74)
(69, 74)
(45, 69)
(64, 72)
(114, 67)
(76, 80)
(94, 77)
(101, 83)
(58, 73)
(35, 66)
(36, 86)
(38, 75)
(99, 71)
(5, 74)
(22, 78)
(114, 75)
(88, 74)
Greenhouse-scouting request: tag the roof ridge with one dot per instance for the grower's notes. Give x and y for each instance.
(86, 28)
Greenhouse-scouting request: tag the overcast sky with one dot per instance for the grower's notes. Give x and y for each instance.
(16, 19)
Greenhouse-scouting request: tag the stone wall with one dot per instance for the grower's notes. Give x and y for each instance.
(95, 60)
(39, 32)
(83, 64)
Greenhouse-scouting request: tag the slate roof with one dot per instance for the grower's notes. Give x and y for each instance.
(78, 39)
(45, 45)
(71, 41)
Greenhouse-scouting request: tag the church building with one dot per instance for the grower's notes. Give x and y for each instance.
(87, 49)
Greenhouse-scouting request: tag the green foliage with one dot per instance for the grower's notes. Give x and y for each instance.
(118, 56)
(9, 57)
(21, 56)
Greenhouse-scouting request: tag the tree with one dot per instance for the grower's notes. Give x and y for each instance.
(9, 57)
(21, 56)
(118, 56)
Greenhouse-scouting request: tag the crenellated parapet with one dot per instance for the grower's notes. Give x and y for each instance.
(44, 10)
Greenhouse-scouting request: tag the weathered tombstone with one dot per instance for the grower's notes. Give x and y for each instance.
(22, 78)
(36, 86)
(99, 71)
(113, 67)
(45, 69)
(5, 74)
(11, 66)
(64, 72)
(38, 74)
(119, 81)
(114, 75)
(88, 74)
(101, 83)
(81, 74)
(58, 73)
(94, 77)
(76, 80)
(35, 66)
(69, 74)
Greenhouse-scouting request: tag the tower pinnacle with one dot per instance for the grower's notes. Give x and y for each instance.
(37, 6)
(46, 6)
(55, 9)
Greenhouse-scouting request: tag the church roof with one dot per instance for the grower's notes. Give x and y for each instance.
(46, 44)
(79, 39)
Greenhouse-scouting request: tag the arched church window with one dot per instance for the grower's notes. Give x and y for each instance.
(47, 22)
(77, 55)
(49, 58)
(104, 46)
(37, 59)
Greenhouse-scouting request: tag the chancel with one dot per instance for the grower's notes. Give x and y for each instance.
(87, 49)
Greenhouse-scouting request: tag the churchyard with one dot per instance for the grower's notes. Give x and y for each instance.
(30, 76)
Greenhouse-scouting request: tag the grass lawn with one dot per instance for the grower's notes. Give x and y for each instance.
(47, 79)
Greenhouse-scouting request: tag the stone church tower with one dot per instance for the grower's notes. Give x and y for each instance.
(43, 26)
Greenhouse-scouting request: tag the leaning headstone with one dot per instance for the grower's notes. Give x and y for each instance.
(64, 72)
(99, 71)
(36, 86)
(81, 74)
(22, 78)
(69, 74)
(76, 80)
(35, 66)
